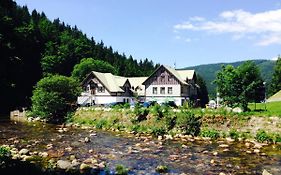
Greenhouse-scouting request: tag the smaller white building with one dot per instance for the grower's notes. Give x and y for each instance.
(103, 88)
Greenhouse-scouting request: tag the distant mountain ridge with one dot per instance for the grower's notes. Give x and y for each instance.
(208, 71)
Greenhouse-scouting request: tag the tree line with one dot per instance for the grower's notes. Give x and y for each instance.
(238, 86)
(33, 47)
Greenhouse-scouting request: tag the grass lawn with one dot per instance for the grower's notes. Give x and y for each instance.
(272, 108)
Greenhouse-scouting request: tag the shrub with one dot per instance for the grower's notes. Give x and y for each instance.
(275, 137)
(135, 128)
(54, 97)
(262, 136)
(188, 123)
(4, 152)
(156, 131)
(102, 123)
(211, 133)
(170, 121)
(126, 105)
(120, 126)
(113, 120)
(233, 134)
(121, 170)
(161, 169)
(156, 110)
(140, 114)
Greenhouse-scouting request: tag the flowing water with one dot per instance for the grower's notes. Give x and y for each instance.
(141, 154)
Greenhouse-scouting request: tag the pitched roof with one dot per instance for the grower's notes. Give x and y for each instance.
(186, 74)
(181, 75)
(275, 97)
(111, 82)
(137, 82)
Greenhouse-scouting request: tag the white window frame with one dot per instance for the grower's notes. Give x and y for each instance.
(170, 90)
(162, 90)
(154, 90)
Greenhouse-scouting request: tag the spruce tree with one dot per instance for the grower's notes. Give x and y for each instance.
(275, 84)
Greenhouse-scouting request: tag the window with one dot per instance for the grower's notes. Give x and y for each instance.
(170, 78)
(101, 89)
(162, 78)
(154, 90)
(170, 90)
(162, 90)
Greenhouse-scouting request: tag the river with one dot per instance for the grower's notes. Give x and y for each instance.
(141, 154)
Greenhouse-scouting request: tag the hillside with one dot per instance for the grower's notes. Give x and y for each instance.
(32, 46)
(208, 72)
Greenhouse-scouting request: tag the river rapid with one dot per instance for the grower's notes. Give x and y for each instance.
(141, 154)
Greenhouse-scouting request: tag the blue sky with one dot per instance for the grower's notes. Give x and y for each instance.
(183, 31)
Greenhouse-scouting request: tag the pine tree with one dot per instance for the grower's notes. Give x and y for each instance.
(203, 91)
(275, 84)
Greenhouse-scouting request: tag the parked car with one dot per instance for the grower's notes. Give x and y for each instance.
(149, 103)
(170, 104)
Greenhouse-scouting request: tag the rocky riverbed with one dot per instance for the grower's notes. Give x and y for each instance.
(87, 150)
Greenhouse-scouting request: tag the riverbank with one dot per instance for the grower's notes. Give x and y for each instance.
(206, 123)
(138, 153)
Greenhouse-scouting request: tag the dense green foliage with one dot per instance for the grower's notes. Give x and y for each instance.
(275, 84)
(54, 97)
(87, 65)
(203, 91)
(4, 152)
(32, 46)
(121, 170)
(211, 133)
(263, 136)
(161, 169)
(142, 120)
(208, 72)
(241, 85)
(189, 123)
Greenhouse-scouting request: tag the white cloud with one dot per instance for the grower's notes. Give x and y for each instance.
(268, 40)
(186, 25)
(264, 26)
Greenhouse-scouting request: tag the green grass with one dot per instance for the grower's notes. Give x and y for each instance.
(266, 109)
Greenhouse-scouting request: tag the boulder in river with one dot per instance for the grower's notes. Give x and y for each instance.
(87, 140)
(23, 151)
(266, 173)
(84, 167)
(43, 154)
(64, 164)
(223, 146)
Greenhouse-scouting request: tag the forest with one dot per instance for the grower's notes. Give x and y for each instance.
(32, 46)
